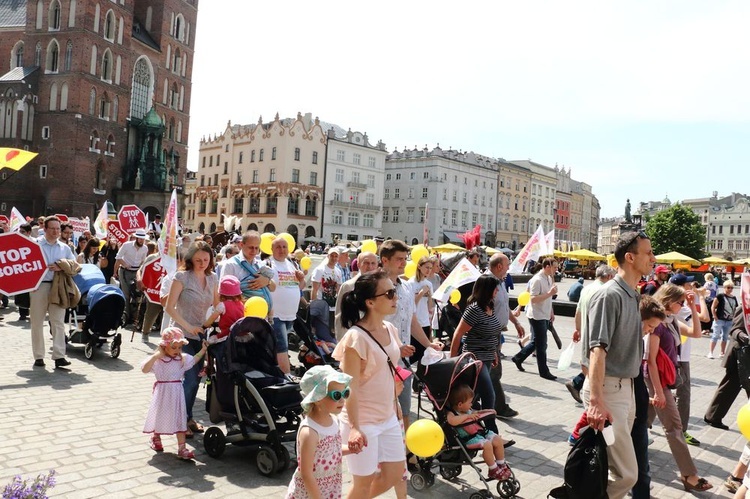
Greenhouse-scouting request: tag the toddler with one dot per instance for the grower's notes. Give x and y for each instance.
(167, 414)
(230, 308)
(492, 445)
(319, 445)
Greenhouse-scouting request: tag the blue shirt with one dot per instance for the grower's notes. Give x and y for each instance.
(54, 253)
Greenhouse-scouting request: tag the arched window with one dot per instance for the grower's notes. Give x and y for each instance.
(176, 61)
(173, 96)
(92, 101)
(143, 87)
(293, 204)
(118, 70)
(16, 56)
(254, 205)
(179, 28)
(116, 109)
(178, 137)
(53, 97)
(64, 97)
(53, 57)
(99, 180)
(109, 26)
(170, 129)
(94, 59)
(310, 206)
(110, 145)
(38, 54)
(97, 15)
(72, 14)
(68, 56)
(272, 202)
(54, 15)
(104, 107)
(94, 141)
(107, 66)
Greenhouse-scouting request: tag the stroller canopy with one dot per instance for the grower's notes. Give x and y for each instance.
(443, 376)
(89, 276)
(252, 346)
(107, 292)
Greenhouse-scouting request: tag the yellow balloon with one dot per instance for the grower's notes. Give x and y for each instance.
(683, 338)
(305, 262)
(369, 246)
(289, 240)
(743, 420)
(410, 270)
(102, 243)
(418, 251)
(524, 298)
(455, 296)
(266, 239)
(612, 261)
(424, 438)
(256, 306)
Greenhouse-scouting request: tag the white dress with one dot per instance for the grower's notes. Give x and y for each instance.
(167, 414)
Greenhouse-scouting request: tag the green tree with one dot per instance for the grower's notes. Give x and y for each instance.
(677, 229)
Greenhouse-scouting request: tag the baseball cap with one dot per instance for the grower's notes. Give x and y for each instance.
(333, 250)
(236, 238)
(661, 269)
(681, 279)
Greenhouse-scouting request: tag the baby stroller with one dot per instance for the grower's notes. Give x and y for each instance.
(450, 316)
(438, 380)
(99, 310)
(250, 395)
(312, 351)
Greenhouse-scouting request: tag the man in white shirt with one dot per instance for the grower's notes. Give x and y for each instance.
(156, 225)
(254, 279)
(54, 250)
(129, 259)
(289, 281)
(326, 281)
(366, 262)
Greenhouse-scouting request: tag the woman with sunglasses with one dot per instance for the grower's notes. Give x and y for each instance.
(368, 353)
(479, 333)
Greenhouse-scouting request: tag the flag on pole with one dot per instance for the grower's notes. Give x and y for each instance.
(168, 237)
(549, 240)
(425, 226)
(100, 224)
(534, 248)
(16, 220)
(15, 159)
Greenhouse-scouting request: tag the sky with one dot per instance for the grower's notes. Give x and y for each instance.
(640, 99)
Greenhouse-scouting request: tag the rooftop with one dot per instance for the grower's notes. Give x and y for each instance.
(12, 13)
(19, 73)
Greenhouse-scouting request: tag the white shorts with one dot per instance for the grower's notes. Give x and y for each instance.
(385, 444)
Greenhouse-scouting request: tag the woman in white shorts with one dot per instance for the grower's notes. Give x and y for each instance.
(370, 421)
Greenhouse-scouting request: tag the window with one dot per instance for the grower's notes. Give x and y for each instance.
(410, 215)
(238, 204)
(252, 156)
(255, 176)
(295, 175)
(273, 154)
(340, 155)
(339, 176)
(272, 175)
(483, 201)
(412, 175)
(203, 180)
(109, 26)
(445, 217)
(338, 217)
(313, 178)
(386, 193)
(370, 180)
(445, 194)
(210, 161)
(226, 167)
(42, 171)
(411, 192)
(465, 197)
(216, 179)
(395, 215)
(398, 176)
(388, 176)
(315, 158)
(386, 215)
(202, 206)
(475, 199)
(424, 192)
(356, 159)
(454, 216)
(296, 154)
(353, 218)
(104, 104)
(368, 220)
(254, 205)
(45, 132)
(396, 194)
(310, 206)
(239, 178)
(293, 204)
(421, 215)
(142, 91)
(240, 158)
(464, 218)
(224, 192)
(474, 219)
(271, 203)
(16, 56)
(54, 15)
(215, 205)
(354, 198)
(38, 54)
(53, 57)
(338, 194)
(371, 161)
(260, 155)
(370, 199)
(355, 177)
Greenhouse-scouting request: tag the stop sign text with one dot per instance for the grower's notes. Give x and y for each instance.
(22, 264)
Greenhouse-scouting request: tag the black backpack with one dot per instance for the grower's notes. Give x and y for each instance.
(586, 469)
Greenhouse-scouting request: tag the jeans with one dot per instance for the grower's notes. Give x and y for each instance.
(578, 381)
(191, 381)
(538, 343)
(639, 435)
(281, 331)
(486, 394)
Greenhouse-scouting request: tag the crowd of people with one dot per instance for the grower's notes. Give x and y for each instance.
(379, 324)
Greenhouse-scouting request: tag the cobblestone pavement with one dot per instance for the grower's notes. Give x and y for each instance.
(86, 424)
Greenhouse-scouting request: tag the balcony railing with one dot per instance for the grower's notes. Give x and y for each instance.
(355, 206)
(357, 185)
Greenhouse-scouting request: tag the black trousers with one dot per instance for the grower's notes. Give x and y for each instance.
(727, 391)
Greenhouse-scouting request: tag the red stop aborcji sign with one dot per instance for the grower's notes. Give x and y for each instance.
(153, 273)
(131, 218)
(114, 230)
(22, 264)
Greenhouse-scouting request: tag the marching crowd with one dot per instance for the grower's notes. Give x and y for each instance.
(635, 361)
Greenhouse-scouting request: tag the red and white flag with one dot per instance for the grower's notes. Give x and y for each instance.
(534, 248)
(168, 237)
(16, 220)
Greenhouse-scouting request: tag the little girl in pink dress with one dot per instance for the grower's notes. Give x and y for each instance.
(167, 414)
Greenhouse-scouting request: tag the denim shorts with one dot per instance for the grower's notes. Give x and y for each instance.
(281, 330)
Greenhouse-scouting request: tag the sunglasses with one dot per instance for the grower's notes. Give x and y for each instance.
(337, 395)
(390, 294)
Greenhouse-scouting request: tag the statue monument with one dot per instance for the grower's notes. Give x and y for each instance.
(628, 217)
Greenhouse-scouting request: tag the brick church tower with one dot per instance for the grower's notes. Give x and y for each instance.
(101, 90)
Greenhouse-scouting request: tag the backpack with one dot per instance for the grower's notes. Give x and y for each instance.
(653, 282)
(586, 469)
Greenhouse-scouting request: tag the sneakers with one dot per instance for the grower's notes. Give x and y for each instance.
(507, 413)
(710, 355)
(185, 454)
(572, 440)
(574, 392)
(155, 443)
(690, 440)
(732, 483)
(501, 473)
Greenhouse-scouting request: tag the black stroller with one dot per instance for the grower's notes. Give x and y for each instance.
(249, 393)
(312, 351)
(438, 380)
(99, 310)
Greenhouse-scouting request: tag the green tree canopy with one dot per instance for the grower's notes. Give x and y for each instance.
(677, 229)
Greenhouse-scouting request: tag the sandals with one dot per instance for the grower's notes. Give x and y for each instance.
(195, 426)
(189, 433)
(155, 443)
(185, 454)
(701, 486)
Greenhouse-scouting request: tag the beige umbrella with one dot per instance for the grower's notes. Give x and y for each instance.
(676, 257)
(584, 254)
(447, 248)
(713, 260)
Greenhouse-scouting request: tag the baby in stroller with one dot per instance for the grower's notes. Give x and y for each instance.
(473, 434)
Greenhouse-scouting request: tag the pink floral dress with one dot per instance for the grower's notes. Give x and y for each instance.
(167, 414)
(327, 467)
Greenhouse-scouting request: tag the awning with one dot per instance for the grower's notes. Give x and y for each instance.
(451, 236)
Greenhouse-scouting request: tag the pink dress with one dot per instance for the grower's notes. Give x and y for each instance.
(167, 414)
(327, 467)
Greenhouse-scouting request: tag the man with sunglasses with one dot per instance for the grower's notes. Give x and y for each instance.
(612, 353)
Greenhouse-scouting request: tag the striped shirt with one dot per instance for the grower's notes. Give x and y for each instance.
(484, 335)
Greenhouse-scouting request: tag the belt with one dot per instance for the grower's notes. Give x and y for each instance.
(131, 270)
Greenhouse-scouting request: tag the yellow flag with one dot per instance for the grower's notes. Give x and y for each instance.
(15, 159)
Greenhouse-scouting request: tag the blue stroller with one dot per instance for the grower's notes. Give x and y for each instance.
(97, 315)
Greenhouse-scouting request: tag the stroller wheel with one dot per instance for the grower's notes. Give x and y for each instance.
(266, 461)
(508, 488)
(214, 442)
(421, 480)
(483, 494)
(88, 350)
(284, 459)
(115, 351)
(450, 472)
